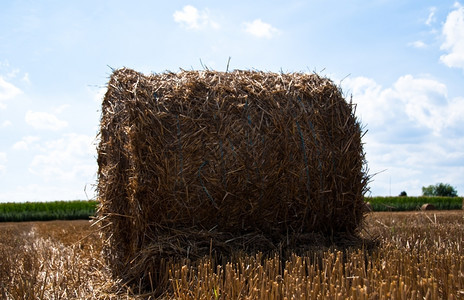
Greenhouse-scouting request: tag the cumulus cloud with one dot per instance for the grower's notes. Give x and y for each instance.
(261, 29)
(422, 101)
(44, 120)
(60, 109)
(426, 102)
(413, 134)
(418, 44)
(43, 193)
(2, 162)
(25, 143)
(410, 166)
(66, 159)
(191, 18)
(61, 169)
(374, 103)
(453, 32)
(7, 91)
(5, 124)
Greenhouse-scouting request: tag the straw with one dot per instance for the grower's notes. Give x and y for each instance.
(258, 158)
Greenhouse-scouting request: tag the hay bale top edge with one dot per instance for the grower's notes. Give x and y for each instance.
(256, 80)
(205, 73)
(205, 88)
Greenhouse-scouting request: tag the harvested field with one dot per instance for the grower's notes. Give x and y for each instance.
(419, 257)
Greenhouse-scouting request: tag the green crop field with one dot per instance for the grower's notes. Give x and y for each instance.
(78, 209)
(44, 211)
(413, 203)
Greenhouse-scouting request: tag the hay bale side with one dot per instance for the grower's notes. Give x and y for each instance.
(428, 206)
(201, 161)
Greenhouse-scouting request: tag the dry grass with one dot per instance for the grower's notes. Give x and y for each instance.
(420, 257)
(52, 260)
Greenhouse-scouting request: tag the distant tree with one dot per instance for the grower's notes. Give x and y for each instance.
(439, 189)
(403, 194)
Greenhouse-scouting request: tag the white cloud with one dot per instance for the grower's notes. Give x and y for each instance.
(374, 104)
(66, 159)
(3, 161)
(410, 166)
(453, 32)
(261, 29)
(60, 109)
(426, 102)
(6, 124)
(191, 18)
(13, 73)
(25, 143)
(26, 78)
(418, 44)
(43, 193)
(431, 18)
(422, 101)
(44, 120)
(413, 132)
(7, 91)
(61, 169)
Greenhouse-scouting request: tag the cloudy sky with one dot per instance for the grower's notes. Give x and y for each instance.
(401, 61)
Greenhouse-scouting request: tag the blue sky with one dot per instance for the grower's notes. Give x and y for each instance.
(402, 62)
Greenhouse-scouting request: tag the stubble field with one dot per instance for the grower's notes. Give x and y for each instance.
(420, 256)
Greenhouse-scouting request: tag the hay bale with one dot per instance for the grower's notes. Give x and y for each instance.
(201, 162)
(427, 206)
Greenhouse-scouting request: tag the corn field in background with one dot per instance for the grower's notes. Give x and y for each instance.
(420, 256)
(46, 211)
(405, 203)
